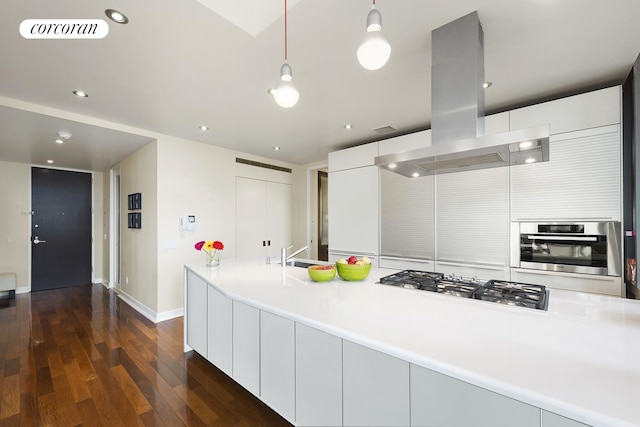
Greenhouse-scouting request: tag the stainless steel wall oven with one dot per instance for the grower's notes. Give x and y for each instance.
(575, 247)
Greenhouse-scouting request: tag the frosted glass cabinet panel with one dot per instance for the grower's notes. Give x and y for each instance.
(246, 346)
(219, 330)
(318, 378)
(196, 307)
(375, 387)
(549, 419)
(277, 363)
(439, 400)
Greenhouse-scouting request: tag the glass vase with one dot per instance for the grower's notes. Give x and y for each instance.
(212, 258)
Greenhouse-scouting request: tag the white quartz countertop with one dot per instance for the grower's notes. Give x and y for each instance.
(579, 359)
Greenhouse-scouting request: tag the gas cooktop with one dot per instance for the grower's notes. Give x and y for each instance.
(498, 291)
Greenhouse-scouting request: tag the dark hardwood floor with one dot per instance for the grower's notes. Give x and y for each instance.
(81, 357)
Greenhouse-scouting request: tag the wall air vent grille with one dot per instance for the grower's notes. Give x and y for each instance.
(262, 165)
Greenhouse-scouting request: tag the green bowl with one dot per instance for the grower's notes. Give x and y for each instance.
(353, 272)
(321, 275)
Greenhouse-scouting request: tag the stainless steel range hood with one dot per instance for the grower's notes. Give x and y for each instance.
(457, 104)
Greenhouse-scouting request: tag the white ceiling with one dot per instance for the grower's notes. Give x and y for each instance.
(178, 64)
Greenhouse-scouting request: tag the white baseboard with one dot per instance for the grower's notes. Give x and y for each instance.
(168, 315)
(147, 312)
(138, 306)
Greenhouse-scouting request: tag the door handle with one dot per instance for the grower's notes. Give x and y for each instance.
(36, 240)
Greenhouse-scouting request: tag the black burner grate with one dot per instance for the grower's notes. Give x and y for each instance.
(513, 293)
(498, 291)
(413, 279)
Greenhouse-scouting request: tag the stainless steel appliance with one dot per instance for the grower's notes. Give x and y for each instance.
(498, 291)
(574, 247)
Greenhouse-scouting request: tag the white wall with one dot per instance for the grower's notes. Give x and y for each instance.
(139, 273)
(199, 179)
(15, 223)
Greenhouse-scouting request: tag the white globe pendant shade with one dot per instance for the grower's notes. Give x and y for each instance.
(285, 94)
(375, 50)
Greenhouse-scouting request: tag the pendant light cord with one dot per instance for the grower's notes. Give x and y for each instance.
(285, 30)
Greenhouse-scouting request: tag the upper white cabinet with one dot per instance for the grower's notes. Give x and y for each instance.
(408, 142)
(354, 157)
(277, 364)
(581, 180)
(264, 217)
(318, 377)
(353, 210)
(439, 400)
(584, 111)
(196, 307)
(375, 388)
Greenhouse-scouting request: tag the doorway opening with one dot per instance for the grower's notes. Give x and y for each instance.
(323, 216)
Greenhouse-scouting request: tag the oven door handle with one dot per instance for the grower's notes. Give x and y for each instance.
(564, 238)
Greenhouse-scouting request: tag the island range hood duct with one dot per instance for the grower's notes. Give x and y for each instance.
(457, 105)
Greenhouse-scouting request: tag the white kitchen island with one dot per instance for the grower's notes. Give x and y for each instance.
(361, 353)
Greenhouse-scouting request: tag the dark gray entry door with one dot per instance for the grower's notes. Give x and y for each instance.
(60, 229)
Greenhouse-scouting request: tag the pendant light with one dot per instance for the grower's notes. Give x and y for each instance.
(285, 94)
(374, 51)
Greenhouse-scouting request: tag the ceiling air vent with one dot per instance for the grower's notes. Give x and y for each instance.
(262, 165)
(385, 130)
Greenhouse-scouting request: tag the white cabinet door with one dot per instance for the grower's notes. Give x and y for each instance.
(318, 378)
(246, 346)
(277, 364)
(584, 111)
(375, 388)
(279, 216)
(354, 157)
(263, 217)
(472, 217)
(439, 400)
(353, 210)
(220, 331)
(549, 419)
(407, 216)
(196, 308)
(581, 180)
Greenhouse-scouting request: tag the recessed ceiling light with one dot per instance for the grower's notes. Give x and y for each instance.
(63, 134)
(415, 174)
(49, 161)
(348, 126)
(59, 141)
(116, 16)
(392, 166)
(203, 127)
(80, 94)
(276, 148)
(530, 160)
(487, 85)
